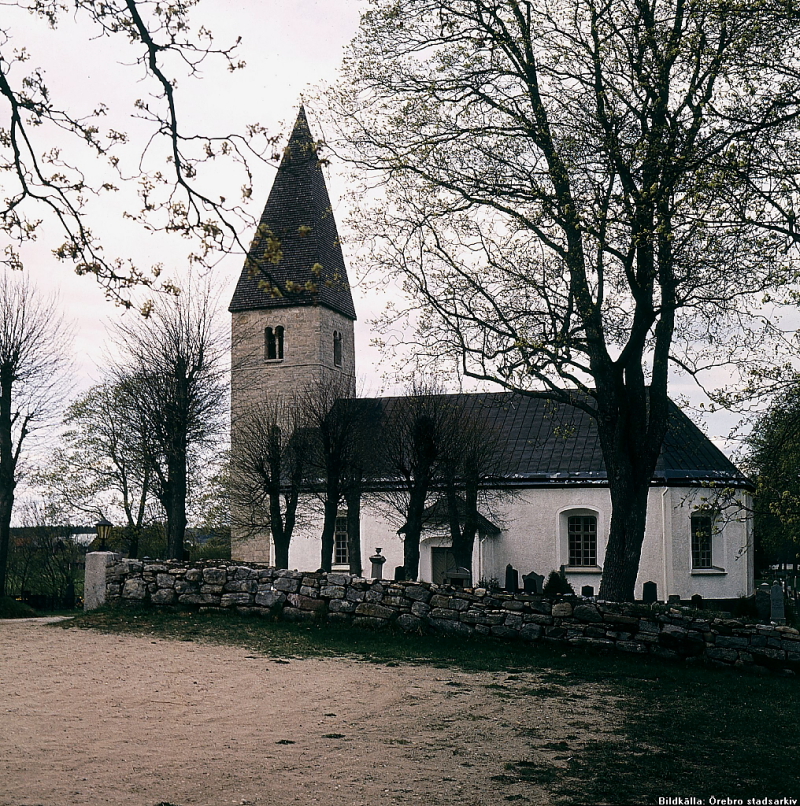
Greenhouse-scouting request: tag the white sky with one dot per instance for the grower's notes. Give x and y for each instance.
(289, 46)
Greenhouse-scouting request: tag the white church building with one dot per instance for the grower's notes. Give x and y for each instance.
(551, 506)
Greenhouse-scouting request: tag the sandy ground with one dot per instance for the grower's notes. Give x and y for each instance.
(88, 718)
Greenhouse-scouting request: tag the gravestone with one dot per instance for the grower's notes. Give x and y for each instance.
(697, 601)
(674, 599)
(458, 577)
(400, 573)
(649, 592)
(587, 590)
(763, 605)
(512, 579)
(777, 612)
(533, 582)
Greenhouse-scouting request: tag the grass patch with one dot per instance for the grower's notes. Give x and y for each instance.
(11, 608)
(693, 732)
(681, 730)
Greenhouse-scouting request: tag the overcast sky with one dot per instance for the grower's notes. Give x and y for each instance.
(289, 47)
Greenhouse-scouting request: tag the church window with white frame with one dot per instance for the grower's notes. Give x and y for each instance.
(702, 539)
(341, 549)
(582, 540)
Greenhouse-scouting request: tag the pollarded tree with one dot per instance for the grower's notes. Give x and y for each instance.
(577, 194)
(415, 431)
(471, 458)
(34, 350)
(270, 463)
(337, 420)
(171, 378)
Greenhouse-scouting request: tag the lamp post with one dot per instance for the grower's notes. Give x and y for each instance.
(103, 530)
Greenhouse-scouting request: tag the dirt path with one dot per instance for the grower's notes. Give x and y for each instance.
(88, 718)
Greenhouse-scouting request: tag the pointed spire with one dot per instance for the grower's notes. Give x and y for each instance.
(296, 243)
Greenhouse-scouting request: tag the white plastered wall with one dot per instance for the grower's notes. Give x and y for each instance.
(534, 540)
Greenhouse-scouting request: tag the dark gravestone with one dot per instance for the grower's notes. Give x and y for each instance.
(649, 592)
(587, 590)
(533, 582)
(777, 612)
(763, 606)
(458, 577)
(512, 579)
(674, 599)
(697, 601)
(400, 573)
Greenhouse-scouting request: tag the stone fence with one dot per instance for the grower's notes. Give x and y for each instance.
(658, 630)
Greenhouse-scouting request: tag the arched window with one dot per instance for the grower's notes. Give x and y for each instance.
(273, 343)
(582, 539)
(337, 348)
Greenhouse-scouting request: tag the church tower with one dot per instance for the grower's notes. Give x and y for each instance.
(292, 311)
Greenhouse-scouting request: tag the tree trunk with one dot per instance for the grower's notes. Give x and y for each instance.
(626, 535)
(281, 550)
(354, 526)
(6, 506)
(328, 532)
(416, 506)
(176, 511)
(631, 434)
(7, 476)
(133, 543)
(462, 536)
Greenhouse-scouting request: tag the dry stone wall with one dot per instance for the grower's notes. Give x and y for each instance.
(666, 632)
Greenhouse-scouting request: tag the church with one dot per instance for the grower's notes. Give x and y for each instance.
(552, 505)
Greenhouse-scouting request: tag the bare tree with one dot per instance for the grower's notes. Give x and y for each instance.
(99, 469)
(413, 432)
(471, 459)
(578, 195)
(34, 349)
(171, 378)
(269, 470)
(337, 419)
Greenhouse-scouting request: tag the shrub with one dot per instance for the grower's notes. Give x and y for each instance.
(557, 583)
(11, 608)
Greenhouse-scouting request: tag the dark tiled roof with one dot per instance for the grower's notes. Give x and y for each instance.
(298, 214)
(542, 442)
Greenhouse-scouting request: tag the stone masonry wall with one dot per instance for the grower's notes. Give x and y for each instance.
(665, 632)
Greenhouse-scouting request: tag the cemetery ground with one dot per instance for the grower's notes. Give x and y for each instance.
(144, 708)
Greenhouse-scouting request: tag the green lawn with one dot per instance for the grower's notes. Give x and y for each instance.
(684, 731)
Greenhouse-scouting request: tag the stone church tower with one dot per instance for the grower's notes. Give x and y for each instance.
(292, 312)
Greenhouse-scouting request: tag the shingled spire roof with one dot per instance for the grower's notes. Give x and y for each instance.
(296, 242)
